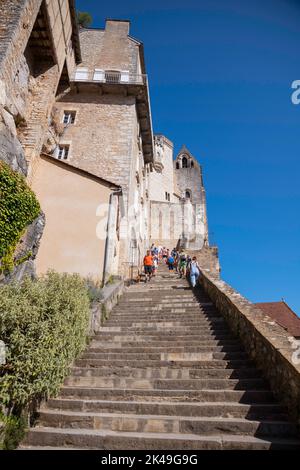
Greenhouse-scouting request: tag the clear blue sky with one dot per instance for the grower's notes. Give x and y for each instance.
(220, 76)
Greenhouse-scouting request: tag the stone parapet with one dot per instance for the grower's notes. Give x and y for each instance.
(100, 310)
(268, 344)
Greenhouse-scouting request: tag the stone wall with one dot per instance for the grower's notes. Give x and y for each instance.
(267, 343)
(16, 22)
(161, 180)
(110, 49)
(208, 259)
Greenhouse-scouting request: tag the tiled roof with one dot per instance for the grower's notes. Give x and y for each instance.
(283, 315)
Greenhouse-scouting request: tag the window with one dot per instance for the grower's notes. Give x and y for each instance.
(63, 152)
(167, 196)
(184, 162)
(177, 165)
(187, 195)
(192, 164)
(69, 117)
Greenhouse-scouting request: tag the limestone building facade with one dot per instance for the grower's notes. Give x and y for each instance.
(178, 204)
(76, 121)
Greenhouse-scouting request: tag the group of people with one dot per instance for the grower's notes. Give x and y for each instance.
(176, 260)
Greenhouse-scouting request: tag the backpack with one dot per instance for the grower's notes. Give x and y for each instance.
(171, 260)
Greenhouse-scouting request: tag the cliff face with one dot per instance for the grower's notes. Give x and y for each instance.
(12, 153)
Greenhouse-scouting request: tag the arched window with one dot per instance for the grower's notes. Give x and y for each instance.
(192, 164)
(187, 195)
(184, 162)
(177, 165)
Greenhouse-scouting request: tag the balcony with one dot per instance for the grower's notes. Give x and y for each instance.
(111, 77)
(122, 83)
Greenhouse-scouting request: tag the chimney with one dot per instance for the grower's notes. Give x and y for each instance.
(119, 27)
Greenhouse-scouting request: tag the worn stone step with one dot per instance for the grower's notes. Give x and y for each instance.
(149, 349)
(167, 384)
(170, 329)
(237, 364)
(164, 357)
(165, 338)
(178, 313)
(105, 439)
(164, 424)
(265, 411)
(241, 396)
(90, 360)
(184, 323)
(165, 373)
(162, 344)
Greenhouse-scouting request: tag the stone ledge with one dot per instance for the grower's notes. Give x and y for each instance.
(268, 344)
(100, 310)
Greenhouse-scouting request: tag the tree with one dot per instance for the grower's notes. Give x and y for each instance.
(84, 19)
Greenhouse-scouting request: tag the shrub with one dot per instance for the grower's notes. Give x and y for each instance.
(18, 208)
(84, 19)
(44, 326)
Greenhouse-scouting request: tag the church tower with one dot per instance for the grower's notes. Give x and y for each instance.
(189, 182)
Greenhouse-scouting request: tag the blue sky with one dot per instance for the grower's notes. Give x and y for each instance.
(220, 76)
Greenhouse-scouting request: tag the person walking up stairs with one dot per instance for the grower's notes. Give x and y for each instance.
(164, 372)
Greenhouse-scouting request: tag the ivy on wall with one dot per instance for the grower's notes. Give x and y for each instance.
(18, 208)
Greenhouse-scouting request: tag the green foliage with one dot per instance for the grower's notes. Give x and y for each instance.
(13, 431)
(94, 290)
(44, 326)
(18, 208)
(84, 19)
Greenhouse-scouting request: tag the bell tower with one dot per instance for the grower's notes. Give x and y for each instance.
(189, 182)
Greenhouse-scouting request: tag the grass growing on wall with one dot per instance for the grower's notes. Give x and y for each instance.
(18, 208)
(44, 325)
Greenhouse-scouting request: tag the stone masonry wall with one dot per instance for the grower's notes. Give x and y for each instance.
(109, 49)
(16, 22)
(101, 137)
(161, 180)
(267, 343)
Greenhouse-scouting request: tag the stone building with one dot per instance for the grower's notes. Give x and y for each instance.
(76, 121)
(177, 194)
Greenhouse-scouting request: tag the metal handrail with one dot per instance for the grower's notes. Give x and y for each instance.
(98, 75)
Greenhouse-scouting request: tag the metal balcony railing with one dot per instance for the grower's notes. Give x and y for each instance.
(83, 74)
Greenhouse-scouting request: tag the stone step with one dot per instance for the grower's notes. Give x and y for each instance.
(167, 384)
(163, 357)
(164, 328)
(164, 424)
(163, 338)
(165, 373)
(128, 365)
(254, 411)
(162, 344)
(237, 396)
(113, 440)
(163, 322)
(149, 349)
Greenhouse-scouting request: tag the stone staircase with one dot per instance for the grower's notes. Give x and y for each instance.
(164, 373)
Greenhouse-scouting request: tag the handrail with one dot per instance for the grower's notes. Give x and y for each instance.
(97, 75)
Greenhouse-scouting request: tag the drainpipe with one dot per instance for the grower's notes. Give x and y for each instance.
(109, 228)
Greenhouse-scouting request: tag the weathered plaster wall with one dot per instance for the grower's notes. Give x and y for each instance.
(69, 201)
